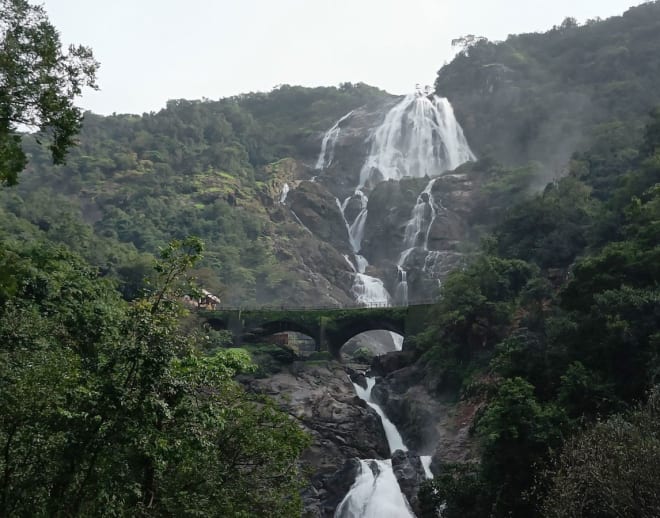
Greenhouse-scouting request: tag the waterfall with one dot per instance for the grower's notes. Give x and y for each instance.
(349, 262)
(284, 193)
(394, 439)
(327, 153)
(362, 263)
(424, 205)
(401, 292)
(356, 228)
(375, 494)
(398, 341)
(370, 291)
(367, 290)
(426, 464)
(419, 137)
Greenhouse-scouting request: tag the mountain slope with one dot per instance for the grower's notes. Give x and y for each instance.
(544, 96)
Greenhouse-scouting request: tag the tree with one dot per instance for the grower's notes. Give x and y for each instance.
(610, 470)
(38, 85)
(109, 407)
(516, 432)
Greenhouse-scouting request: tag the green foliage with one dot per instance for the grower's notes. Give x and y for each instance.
(459, 490)
(38, 84)
(474, 313)
(108, 407)
(610, 470)
(204, 168)
(516, 433)
(542, 96)
(564, 346)
(548, 229)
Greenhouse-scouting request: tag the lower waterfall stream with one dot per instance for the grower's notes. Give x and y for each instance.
(376, 492)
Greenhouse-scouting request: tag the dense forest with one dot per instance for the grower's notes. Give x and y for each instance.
(203, 168)
(543, 96)
(114, 401)
(554, 328)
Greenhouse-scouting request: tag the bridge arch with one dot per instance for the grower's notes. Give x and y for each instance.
(345, 332)
(329, 328)
(218, 324)
(366, 345)
(282, 326)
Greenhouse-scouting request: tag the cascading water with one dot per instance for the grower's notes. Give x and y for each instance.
(367, 290)
(398, 341)
(401, 293)
(370, 291)
(376, 492)
(327, 154)
(394, 439)
(356, 228)
(419, 137)
(426, 464)
(284, 193)
(424, 211)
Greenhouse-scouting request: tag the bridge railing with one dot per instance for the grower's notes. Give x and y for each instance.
(326, 307)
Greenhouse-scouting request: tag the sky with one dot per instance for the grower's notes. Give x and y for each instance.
(154, 50)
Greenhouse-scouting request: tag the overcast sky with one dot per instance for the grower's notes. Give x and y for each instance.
(154, 50)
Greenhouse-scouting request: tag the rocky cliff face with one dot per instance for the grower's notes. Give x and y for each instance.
(415, 225)
(321, 397)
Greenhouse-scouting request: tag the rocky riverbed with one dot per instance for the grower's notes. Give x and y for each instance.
(320, 395)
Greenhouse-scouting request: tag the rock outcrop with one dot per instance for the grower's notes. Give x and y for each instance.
(409, 472)
(322, 398)
(430, 424)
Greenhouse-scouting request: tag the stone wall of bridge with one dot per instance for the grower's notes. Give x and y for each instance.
(330, 328)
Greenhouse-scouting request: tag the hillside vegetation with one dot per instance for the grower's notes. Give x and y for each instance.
(554, 328)
(204, 168)
(542, 96)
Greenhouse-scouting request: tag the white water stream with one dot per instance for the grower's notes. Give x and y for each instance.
(419, 137)
(370, 291)
(424, 212)
(327, 154)
(376, 492)
(284, 193)
(367, 290)
(394, 439)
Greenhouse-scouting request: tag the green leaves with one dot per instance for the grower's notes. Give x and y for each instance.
(109, 408)
(38, 84)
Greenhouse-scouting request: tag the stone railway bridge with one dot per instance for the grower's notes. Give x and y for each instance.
(330, 328)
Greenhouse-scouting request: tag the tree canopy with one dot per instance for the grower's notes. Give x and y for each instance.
(38, 85)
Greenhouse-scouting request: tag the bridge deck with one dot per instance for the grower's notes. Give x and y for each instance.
(330, 326)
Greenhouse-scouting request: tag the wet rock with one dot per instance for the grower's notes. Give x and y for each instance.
(390, 206)
(409, 472)
(359, 378)
(317, 209)
(429, 424)
(336, 486)
(321, 397)
(390, 362)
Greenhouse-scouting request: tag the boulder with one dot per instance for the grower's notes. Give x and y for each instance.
(321, 397)
(409, 473)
